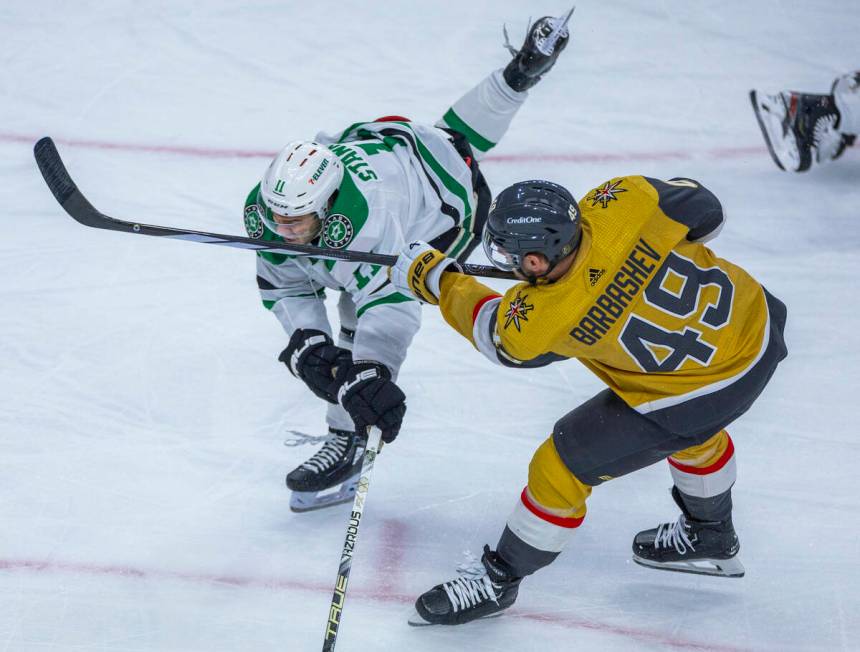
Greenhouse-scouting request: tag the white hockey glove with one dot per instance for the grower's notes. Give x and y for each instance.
(419, 269)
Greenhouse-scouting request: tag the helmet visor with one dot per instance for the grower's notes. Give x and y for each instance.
(498, 256)
(300, 229)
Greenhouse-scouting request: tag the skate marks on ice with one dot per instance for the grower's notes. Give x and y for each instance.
(68, 383)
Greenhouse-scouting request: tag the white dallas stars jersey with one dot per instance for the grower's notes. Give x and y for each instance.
(402, 182)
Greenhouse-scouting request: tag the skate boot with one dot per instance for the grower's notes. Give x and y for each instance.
(484, 589)
(545, 40)
(800, 129)
(329, 476)
(690, 546)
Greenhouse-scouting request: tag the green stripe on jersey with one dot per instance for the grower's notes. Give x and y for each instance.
(464, 239)
(352, 204)
(268, 304)
(453, 186)
(475, 139)
(391, 298)
(348, 131)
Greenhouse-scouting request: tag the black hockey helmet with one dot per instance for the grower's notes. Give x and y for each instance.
(531, 217)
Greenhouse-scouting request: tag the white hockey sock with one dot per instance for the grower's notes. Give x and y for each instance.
(484, 113)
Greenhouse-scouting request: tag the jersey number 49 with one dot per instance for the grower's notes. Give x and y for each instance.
(655, 348)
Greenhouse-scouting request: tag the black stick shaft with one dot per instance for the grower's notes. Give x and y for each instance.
(69, 196)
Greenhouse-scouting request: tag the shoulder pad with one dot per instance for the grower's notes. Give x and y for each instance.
(607, 194)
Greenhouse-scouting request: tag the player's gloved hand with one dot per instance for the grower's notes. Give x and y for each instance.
(371, 398)
(312, 356)
(419, 269)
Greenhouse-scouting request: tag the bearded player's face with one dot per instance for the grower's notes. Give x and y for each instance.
(297, 229)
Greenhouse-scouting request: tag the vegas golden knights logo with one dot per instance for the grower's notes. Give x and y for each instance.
(606, 193)
(517, 311)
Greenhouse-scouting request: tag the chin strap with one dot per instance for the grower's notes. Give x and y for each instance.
(538, 280)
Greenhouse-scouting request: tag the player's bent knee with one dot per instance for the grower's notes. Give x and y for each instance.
(705, 470)
(548, 512)
(705, 453)
(552, 484)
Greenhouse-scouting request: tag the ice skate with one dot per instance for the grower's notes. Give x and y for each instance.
(330, 475)
(690, 546)
(484, 589)
(800, 129)
(545, 40)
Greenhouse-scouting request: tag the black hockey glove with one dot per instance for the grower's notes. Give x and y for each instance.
(312, 356)
(372, 398)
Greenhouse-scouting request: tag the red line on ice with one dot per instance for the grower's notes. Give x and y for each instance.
(546, 157)
(384, 595)
(394, 535)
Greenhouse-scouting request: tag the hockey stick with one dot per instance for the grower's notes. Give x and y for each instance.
(335, 612)
(75, 204)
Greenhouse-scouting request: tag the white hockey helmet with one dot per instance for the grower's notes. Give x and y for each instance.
(300, 180)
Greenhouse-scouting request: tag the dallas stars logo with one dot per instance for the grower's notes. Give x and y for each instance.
(253, 223)
(337, 231)
(606, 193)
(518, 310)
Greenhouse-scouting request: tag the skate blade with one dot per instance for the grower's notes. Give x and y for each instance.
(309, 501)
(782, 148)
(717, 567)
(415, 619)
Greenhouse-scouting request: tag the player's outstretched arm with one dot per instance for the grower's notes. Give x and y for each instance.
(420, 272)
(468, 306)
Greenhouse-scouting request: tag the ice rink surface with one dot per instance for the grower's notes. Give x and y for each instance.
(142, 408)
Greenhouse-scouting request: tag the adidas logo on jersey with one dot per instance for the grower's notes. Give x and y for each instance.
(594, 275)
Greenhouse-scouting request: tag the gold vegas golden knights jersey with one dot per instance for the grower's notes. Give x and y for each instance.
(645, 306)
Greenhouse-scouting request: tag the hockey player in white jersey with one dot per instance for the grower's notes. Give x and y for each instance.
(374, 187)
(805, 129)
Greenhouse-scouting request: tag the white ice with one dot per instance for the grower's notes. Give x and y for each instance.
(142, 409)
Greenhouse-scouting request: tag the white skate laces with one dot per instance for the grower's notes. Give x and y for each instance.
(826, 138)
(674, 534)
(546, 44)
(297, 438)
(329, 455)
(551, 31)
(472, 587)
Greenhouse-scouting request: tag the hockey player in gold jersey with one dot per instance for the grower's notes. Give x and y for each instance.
(684, 340)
